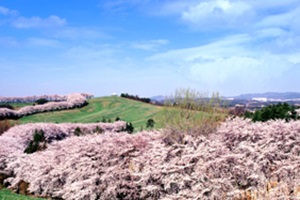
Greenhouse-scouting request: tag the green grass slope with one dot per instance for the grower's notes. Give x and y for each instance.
(6, 194)
(105, 107)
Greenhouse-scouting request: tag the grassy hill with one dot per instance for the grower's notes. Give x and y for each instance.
(98, 108)
(6, 194)
(105, 107)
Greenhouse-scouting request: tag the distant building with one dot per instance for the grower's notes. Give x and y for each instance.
(260, 99)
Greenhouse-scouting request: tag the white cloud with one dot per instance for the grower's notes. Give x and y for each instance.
(8, 42)
(222, 48)
(37, 22)
(74, 33)
(6, 11)
(229, 63)
(284, 19)
(42, 42)
(217, 14)
(150, 45)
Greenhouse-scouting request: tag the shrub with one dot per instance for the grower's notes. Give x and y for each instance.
(150, 123)
(128, 128)
(77, 131)
(273, 112)
(5, 125)
(242, 160)
(73, 101)
(35, 144)
(98, 130)
(41, 101)
(7, 106)
(136, 98)
(189, 112)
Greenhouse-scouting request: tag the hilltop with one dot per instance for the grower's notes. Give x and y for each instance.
(108, 108)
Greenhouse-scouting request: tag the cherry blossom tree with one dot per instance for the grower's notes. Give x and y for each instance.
(72, 101)
(240, 160)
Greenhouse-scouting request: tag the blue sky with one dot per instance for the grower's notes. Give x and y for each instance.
(148, 47)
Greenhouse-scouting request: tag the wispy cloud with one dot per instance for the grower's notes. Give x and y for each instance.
(150, 45)
(219, 45)
(8, 42)
(77, 33)
(217, 14)
(33, 41)
(37, 22)
(6, 11)
(229, 62)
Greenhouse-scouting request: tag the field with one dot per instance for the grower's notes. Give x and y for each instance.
(98, 108)
(8, 195)
(237, 160)
(17, 106)
(106, 107)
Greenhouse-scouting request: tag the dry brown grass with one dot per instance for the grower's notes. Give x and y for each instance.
(272, 190)
(5, 125)
(189, 112)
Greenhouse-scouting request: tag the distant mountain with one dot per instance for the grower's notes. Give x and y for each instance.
(267, 96)
(158, 98)
(270, 95)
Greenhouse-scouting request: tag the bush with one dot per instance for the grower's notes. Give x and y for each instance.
(128, 128)
(273, 112)
(7, 106)
(5, 125)
(41, 101)
(35, 144)
(189, 112)
(98, 130)
(136, 98)
(150, 123)
(77, 131)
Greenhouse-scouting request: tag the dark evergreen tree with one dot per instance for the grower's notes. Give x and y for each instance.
(41, 101)
(150, 123)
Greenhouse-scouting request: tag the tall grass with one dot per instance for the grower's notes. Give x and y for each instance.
(5, 125)
(189, 112)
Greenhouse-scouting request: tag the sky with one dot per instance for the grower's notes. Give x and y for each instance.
(149, 47)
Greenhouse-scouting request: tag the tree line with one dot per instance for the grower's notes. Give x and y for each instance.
(136, 98)
(272, 112)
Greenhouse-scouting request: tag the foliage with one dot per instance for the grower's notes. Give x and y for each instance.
(109, 107)
(5, 125)
(77, 131)
(240, 160)
(30, 99)
(128, 128)
(17, 138)
(6, 194)
(35, 144)
(273, 112)
(150, 123)
(136, 98)
(73, 101)
(41, 101)
(98, 130)
(189, 112)
(7, 106)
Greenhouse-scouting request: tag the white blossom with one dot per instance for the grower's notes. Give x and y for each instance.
(262, 158)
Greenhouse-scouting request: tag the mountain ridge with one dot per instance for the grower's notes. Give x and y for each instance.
(270, 95)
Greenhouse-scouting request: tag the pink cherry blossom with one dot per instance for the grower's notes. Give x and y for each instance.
(72, 101)
(262, 159)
